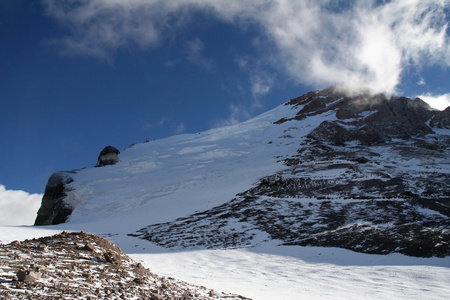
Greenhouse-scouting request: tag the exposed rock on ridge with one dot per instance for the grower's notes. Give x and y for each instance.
(108, 156)
(369, 119)
(55, 208)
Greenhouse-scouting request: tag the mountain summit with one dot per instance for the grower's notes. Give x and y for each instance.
(363, 172)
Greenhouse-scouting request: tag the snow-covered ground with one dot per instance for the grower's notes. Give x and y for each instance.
(306, 273)
(281, 272)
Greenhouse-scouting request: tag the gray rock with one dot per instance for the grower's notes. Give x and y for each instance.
(108, 156)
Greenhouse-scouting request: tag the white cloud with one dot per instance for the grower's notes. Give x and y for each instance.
(440, 102)
(18, 207)
(359, 43)
(367, 45)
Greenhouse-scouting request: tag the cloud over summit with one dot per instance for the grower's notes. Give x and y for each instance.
(317, 43)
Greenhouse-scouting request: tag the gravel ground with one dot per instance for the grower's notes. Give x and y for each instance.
(85, 266)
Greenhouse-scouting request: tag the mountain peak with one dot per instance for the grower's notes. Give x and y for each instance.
(365, 117)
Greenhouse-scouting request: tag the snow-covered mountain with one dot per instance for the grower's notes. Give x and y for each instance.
(231, 210)
(363, 172)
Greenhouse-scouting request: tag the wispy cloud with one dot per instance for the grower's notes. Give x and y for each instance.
(359, 43)
(166, 122)
(194, 50)
(237, 113)
(101, 27)
(260, 80)
(179, 128)
(18, 207)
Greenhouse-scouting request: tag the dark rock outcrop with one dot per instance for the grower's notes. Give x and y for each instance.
(54, 206)
(108, 156)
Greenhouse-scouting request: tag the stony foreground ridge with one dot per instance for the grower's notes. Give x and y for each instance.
(85, 266)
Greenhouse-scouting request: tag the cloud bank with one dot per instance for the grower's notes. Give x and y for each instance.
(314, 42)
(18, 207)
(440, 102)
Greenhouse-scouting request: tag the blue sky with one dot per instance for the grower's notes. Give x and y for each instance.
(76, 76)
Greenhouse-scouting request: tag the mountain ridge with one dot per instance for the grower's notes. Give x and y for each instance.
(361, 172)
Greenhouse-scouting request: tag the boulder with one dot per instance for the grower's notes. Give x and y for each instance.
(108, 156)
(112, 258)
(89, 247)
(28, 275)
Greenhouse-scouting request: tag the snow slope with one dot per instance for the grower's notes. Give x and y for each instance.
(169, 178)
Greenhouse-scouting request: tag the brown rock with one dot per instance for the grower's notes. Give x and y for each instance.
(112, 258)
(139, 280)
(28, 275)
(42, 248)
(89, 247)
(156, 297)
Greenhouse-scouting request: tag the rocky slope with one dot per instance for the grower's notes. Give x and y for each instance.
(84, 266)
(374, 180)
(363, 172)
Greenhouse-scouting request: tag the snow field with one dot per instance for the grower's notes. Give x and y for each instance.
(314, 273)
